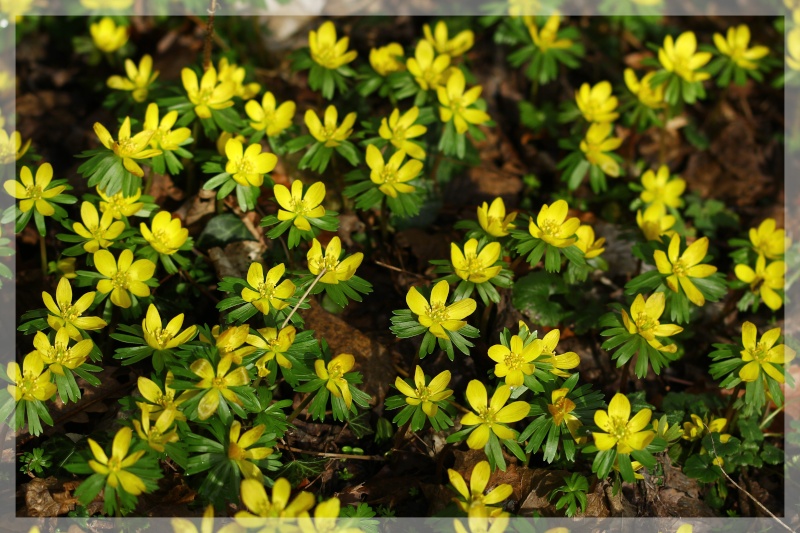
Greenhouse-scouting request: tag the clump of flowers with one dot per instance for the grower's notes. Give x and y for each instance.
(737, 60)
(139, 78)
(682, 66)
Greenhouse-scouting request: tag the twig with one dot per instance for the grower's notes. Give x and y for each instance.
(332, 455)
(396, 269)
(302, 298)
(209, 35)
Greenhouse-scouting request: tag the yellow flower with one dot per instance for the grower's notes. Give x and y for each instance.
(392, 176)
(659, 189)
(167, 236)
(387, 59)
(635, 466)
(561, 362)
(34, 192)
(429, 70)
(599, 140)
(644, 92)
(514, 361)
(119, 205)
(101, 232)
(269, 117)
(123, 277)
(182, 525)
(480, 522)
(620, 429)
(546, 38)
(211, 93)
(107, 4)
(597, 104)
(64, 314)
(325, 519)
(518, 8)
(768, 241)
(438, 316)
(229, 343)
(682, 269)
(764, 279)
(492, 416)
(336, 270)
(64, 268)
(681, 57)
(643, 320)
(735, 45)
(159, 401)
(128, 148)
(698, 427)
(455, 103)
(15, 10)
(158, 434)
(655, 222)
(114, 467)
(586, 242)
(793, 49)
(330, 134)
(266, 291)
(107, 36)
(334, 373)
(11, 147)
(164, 138)
(60, 354)
(440, 40)
(248, 166)
(254, 497)
(223, 139)
(763, 355)
(400, 129)
(233, 73)
(275, 344)
(553, 227)
(473, 495)
(238, 450)
(473, 266)
(217, 383)
(160, 337)
(328, 52)
(297, 207)
(493, 219)
(561, 409)
(427, 395)
(139, 78)
(32, 382)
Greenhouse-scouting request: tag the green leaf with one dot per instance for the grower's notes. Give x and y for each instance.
(223, 229)
(532, 296)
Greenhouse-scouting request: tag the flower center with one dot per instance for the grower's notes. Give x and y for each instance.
(120, 280)
(678, 268)
(335, 371)
(236, 452)
(204, 96)
(330, 263)
(619, 428)
(124, 147)
(389, 176)
(488, 416)
(645, 323)
(560, 409)
(162, 337)
(760, 353)
(299, 207)
(438, 313)
(513, 361)
(68, 311)
(423, 393)
(245, 166)
(265, 289)
(550, 227)
(325, 56)
(34, 192)
(219, 383)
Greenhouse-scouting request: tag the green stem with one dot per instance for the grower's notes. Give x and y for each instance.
(148, 181)
(623, 379)
(303, 405)
(305, 295)
(767, 419)
(43, 255)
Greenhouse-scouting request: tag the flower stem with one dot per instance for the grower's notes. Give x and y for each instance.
(303, 405)
(302, 298)
(400, 435)
(43, 255)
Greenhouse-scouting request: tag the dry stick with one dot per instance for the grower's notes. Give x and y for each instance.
(729, 478)
(209, 36)
(305, 294)
(333, 455)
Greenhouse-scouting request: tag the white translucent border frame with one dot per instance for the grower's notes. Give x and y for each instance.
(8, 314)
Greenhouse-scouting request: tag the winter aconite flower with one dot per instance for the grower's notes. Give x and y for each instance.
(681, 269)
(165, 235)
(129, 149)
(210, 93)
(161, 337)
(248, 166)
(475, 267)
(765, 279)
(441, 41)
(597, 104)
(123, 277)
(159, 401)
(333, 373)
(265, 291)
(513, 362)
(331, 134)
(164, 137)
(736, 46)
(643, 89)
(66, 315)
(698, 427)
(587, 243)
(660, 189)
(326, 50)
(233, 73)
(336, 270)
(553, 227)
(437, 316)
(644, 320)
(620, 430)
(238, 444)
(546, 37)
(455, 103)
(493, 218)
(139, 78)
(217, 383)
(392, 176)
(157, 435)
(598, 142)
(428, 69)
(298, 207)
(60, 354)
(120, 205)
(763, 355)
(793, 49)
(400, 129)
(491, 416)
(100, 232)
(115, 467)
(269, 117)
(254, 497)
(11, 147)
(681, 57)
(561, 408)
(427, 395)
(473, 496)
(767, 240)
(275, 344)
(558, 362)
(387, 59)
(34, 192)
(32, 381)
(107, 36)
(655, 222)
